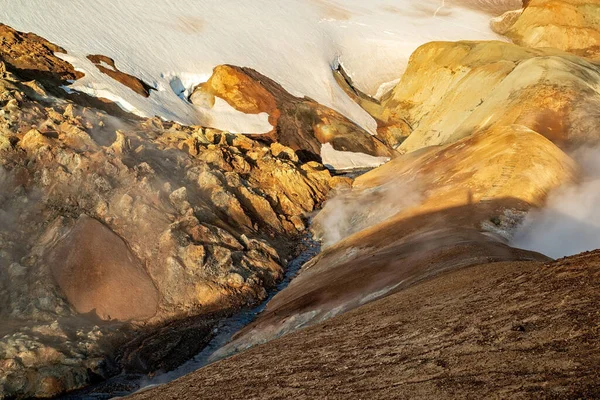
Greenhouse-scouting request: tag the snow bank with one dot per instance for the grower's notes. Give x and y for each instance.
(174, 45)
(348, 160)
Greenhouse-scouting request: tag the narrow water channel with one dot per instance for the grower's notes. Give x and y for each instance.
(124, 385)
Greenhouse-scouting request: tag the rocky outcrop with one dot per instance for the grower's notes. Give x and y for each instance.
(299, 123)
(107, 66)
(548, 91)
(33, 57)
(111, 228)
(569, 25)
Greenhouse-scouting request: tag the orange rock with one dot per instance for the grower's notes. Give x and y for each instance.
(299, 123)
(33, 57)
(570, 25)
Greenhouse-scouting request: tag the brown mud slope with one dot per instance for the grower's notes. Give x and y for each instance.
(504, 330)
(299, 123)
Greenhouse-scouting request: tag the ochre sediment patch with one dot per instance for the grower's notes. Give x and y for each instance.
(99, 274)
(545, 90)
(569, 25)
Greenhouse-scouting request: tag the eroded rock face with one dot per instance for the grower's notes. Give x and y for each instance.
(33, 57)
(104, 220)
(569, 25)
(98, 274)
(299, 123)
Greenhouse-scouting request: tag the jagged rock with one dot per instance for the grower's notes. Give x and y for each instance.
(33, 140)
(32, 57)
(299, 123)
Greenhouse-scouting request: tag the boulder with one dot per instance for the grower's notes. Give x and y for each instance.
(99, 274)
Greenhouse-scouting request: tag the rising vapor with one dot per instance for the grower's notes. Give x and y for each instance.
(570, 222)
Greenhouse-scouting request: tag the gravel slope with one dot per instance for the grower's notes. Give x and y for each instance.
(504, 330)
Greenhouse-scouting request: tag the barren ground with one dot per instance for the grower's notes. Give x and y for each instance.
(502, 330)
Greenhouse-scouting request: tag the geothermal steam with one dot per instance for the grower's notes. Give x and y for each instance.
(352, 211)
(570, 222)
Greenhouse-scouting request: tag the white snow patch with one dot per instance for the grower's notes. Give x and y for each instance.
(227, 118)
(293, 42)
(348, 160)
(385, 88)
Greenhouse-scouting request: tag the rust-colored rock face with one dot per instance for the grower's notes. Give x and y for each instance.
(99, 274)
(569, 25)
(33, 57)
(299, 123)
(107, 66)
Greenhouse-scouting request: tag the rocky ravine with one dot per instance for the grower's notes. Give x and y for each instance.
(113, 228)
(486, 129)
(473, 166)
(124, 240)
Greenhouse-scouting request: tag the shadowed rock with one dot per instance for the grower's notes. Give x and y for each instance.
(107, 66)
(33, 57)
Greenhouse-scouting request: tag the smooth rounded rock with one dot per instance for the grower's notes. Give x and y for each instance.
(98, 274)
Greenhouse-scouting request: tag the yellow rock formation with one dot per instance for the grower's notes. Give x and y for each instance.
(570, 25)
(453, 90)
